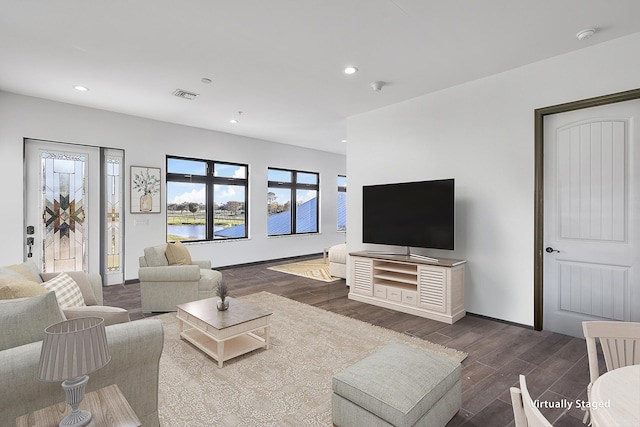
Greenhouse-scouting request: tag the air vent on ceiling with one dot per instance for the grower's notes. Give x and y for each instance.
(180, 93)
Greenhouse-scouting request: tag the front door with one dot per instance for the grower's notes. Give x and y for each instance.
(592, 216)
(62, 206)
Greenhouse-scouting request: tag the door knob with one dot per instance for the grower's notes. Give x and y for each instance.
(551, 250)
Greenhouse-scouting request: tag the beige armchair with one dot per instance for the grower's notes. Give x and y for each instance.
(163, 286)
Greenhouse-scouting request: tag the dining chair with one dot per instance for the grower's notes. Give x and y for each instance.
(525, 413)
(620, 344)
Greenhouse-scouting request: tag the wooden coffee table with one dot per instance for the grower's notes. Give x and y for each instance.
(224, 335)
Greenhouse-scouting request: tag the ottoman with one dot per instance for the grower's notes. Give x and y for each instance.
(397, 386)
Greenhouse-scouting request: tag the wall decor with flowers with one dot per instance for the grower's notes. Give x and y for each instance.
(145, 189)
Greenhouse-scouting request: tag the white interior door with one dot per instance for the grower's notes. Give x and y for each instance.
(63, 205)
(592, 228)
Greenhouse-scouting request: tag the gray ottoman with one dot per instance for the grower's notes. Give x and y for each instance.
(397, 386)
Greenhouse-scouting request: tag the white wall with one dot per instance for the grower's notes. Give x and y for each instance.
(482, 134)
(146, 143)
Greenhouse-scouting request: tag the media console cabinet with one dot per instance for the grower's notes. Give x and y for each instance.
(434, 290)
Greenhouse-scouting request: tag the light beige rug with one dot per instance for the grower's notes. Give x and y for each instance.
(313, 269)
(287, 385)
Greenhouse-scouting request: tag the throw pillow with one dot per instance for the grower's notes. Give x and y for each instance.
(15, 288)
(178, 254)
(24, 320)
(66, 289)
(25, 271)
(82, 279)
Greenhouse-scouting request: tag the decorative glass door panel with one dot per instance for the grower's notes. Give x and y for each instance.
(112, 238)
(64, 202)
(114, 206)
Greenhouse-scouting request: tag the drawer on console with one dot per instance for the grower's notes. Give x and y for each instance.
(394, 294)
(410, 297)
(380, 291)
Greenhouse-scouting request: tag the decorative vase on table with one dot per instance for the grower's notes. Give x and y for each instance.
(223, 304)
(222, 292)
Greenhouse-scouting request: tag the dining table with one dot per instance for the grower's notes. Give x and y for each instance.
(615, 398)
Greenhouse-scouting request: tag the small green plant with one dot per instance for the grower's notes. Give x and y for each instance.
(223, 291)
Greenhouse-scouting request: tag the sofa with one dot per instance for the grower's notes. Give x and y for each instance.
(135, 349)
(168, 277)
(26, 280)
(338, 260)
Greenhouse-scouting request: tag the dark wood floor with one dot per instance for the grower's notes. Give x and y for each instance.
(555, 365)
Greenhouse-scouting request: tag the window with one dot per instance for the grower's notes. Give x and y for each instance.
(292, 202)
(342, 203)
(206, 200)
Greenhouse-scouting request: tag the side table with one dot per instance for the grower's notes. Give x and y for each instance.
(107, 405)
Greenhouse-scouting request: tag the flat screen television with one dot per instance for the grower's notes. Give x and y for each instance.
(411, 214)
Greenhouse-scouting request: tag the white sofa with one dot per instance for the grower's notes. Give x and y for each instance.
(338, 260)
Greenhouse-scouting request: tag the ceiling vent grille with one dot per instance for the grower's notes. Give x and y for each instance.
(180, 93)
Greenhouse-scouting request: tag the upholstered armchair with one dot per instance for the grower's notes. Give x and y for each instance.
(169, 277)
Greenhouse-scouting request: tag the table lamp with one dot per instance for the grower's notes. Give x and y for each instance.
(70, 350)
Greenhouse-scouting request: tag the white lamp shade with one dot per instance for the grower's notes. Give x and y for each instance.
(73, 348)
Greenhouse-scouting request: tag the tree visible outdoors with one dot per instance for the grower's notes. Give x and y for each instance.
(273, 207)
(191, 213)
(193, 208)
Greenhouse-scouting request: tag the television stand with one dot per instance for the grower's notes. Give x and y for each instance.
(422, 257)
(407, 253)
(414, 285)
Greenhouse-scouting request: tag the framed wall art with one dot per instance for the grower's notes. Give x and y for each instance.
(145, 190)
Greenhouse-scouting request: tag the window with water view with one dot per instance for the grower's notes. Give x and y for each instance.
(206, 200)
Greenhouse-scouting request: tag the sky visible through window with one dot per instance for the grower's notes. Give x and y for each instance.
(179, 192)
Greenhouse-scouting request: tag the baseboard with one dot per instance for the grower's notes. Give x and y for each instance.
(248, 264)
(268, 261)
(506, 322)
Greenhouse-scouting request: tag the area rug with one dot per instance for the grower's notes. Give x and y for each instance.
(313, 269)
(287, 385)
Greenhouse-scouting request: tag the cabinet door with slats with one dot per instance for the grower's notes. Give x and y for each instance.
(432, 288)
(361, 276)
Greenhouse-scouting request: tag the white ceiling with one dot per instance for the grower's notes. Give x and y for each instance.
(280, 61)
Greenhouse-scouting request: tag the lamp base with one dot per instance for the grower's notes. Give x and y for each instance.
(76, 419)
(74, 389)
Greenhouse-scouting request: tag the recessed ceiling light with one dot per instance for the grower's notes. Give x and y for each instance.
(205, 80)
(81, 88)
(350, 70)
(344, 140)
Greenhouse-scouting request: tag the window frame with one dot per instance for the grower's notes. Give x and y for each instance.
(294, 185)
(210, 181)
(341, 189)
